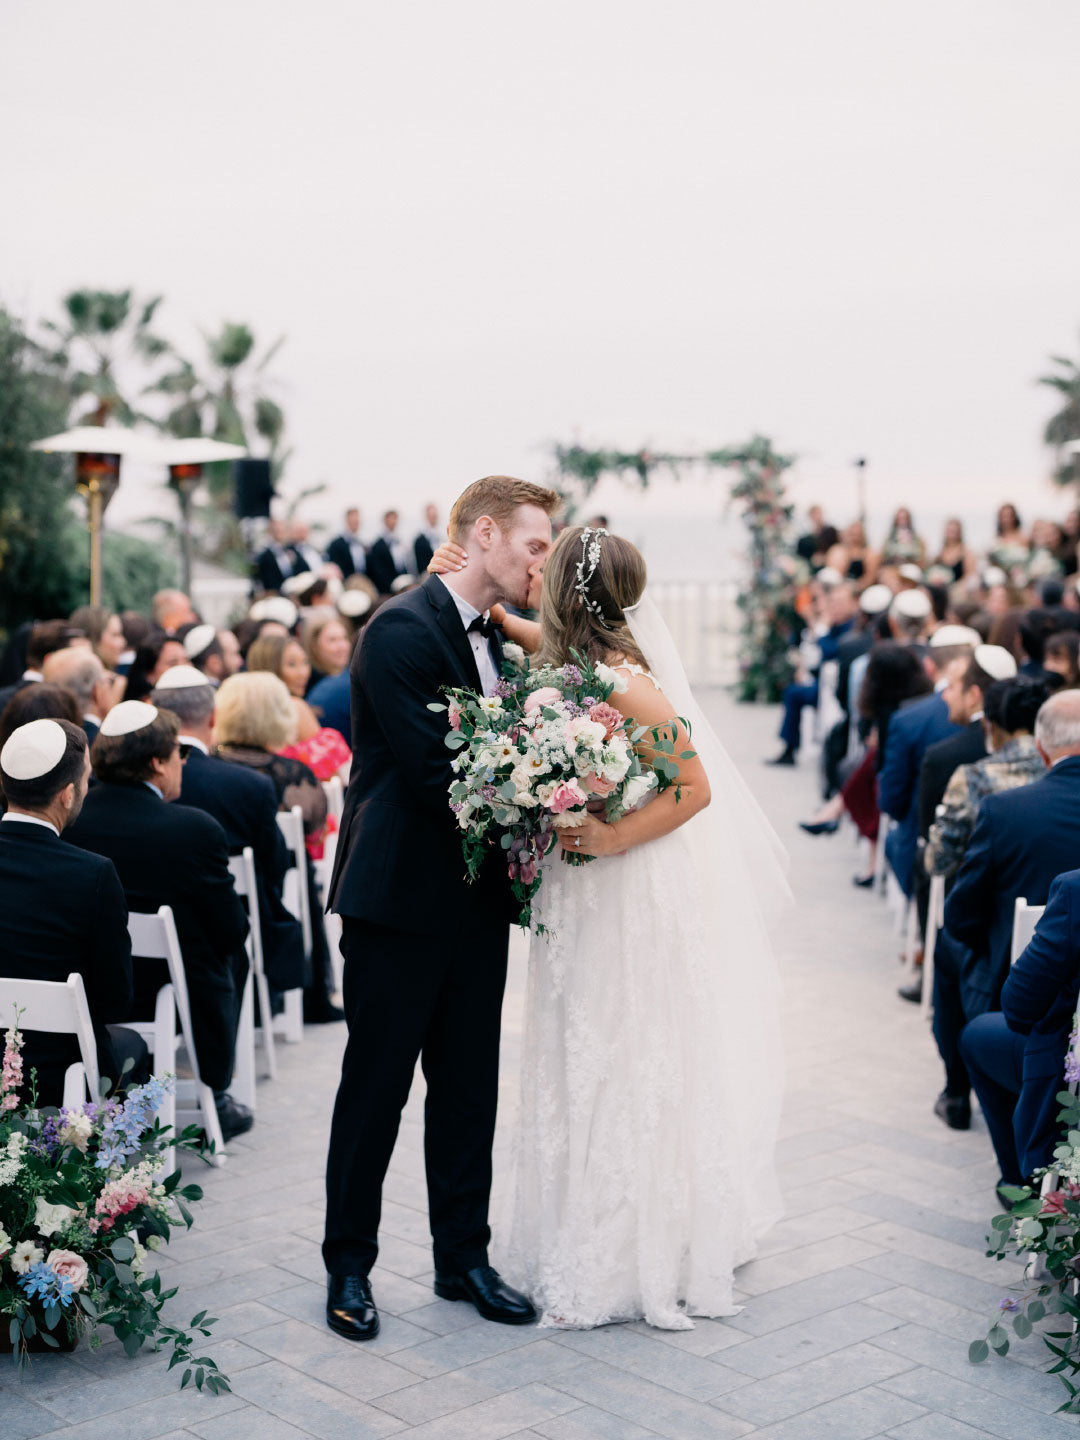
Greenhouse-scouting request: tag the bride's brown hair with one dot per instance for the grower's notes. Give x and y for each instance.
(617, 581)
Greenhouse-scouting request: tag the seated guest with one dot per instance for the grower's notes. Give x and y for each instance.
(36, 702)
(1016, 1057)
(45, 637)
(1022, 840)
(171, 609)
(320, 748)
(172, 855)
(153, 657)
(96, 689)
(839, 617)
(1008, 724)
(104, 630)
(136, 627)
(204, 650)
(326, 643)
(245, 806)
(254, 720)
(1061, 657)
(914, 728)
(62, 911)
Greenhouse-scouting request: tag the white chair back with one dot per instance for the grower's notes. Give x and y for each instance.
(242, 869)
(57, 1007)
(1025, 919)
(935, 918)
(295, 896)
(335, 796)
(154, 937)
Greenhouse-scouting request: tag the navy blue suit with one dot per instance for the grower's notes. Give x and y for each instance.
(1022, 841)
(1017, 1058)
(912, 730)
(329, 698)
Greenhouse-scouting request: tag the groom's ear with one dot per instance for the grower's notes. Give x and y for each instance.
(485, 531)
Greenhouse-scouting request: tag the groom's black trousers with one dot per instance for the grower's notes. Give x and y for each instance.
(439, 998)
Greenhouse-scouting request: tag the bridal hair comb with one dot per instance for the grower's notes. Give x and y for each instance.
(586, 569)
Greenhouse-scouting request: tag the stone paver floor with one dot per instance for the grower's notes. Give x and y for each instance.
(857, 1315)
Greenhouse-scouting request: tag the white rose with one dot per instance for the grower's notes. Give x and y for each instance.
(25, 1256)
(5, 1242)
(514, 653)
(637, 788)
(587, 732)
(77, 1132)
(50, 1218)
(607, 676)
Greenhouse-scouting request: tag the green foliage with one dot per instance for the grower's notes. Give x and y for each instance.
(1064, 427)
(102, 331)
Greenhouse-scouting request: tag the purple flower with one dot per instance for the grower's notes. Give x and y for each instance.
(571, 674)
(1009, 1304)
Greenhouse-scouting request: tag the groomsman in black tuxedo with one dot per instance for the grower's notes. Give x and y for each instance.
(429, 539)
(425, 951)
(62, 911)
(172, 855)
(275, 562)
(347, 551)
(388, 558)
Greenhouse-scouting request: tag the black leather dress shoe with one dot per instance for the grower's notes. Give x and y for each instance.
(325, 1013)
(234, 1118)
(350, 1310)
(786, 757)
(485, 1288)
(912, 992)
(863, 882)
(955, 1110)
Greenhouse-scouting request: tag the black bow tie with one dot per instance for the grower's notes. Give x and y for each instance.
(482, 626)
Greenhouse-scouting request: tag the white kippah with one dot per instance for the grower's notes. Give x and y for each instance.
(297, 584)
(401, 584)
(828, 576)
(275, 607)
(183, 677)
(354, 603)
(994, 575)
(875, 599)
(33, 750)
(955, 635)
(198, 639)
(128, 716)
(910, 572)
(913, 604)
(996, 661)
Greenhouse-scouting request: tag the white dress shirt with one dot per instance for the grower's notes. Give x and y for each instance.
(481, 647)
(193, 742)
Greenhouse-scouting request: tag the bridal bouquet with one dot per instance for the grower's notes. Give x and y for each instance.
(536, 754)
(82, 1201)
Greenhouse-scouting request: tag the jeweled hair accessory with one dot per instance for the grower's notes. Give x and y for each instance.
(586, 569)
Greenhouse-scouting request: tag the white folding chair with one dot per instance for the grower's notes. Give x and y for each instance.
(881, 865)
(1025, 918)
(153, 937)
(58, 1007)
(935, 917)
(295, 897)
(242, 868)
(324, 868)
(335, 796)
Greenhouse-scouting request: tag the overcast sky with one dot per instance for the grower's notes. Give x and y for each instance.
(487, 226)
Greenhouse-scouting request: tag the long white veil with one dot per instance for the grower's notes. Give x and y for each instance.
(740, 881)
(733, 806)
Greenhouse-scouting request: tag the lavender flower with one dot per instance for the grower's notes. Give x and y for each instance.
(571, 674)
(1010, 1305)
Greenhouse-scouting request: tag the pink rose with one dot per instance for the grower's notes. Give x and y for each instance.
(566, 795)
(537, 699)
(596, 785)
(608, 716)
(68, 1266)
(1054, 1203)
(455, 715)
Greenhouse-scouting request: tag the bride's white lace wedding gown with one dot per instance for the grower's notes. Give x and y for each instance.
(650, 1079)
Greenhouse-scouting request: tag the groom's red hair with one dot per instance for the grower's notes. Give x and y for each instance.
(498, 496)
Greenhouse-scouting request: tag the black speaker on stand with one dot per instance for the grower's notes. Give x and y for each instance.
(254, 489)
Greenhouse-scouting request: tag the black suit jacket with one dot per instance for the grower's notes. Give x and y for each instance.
(175, 855)
(63, 911)
(1023, 839)
(422, 553)
(268, 571)
(339, 551)
(382, 568)
(939, 762)
(245, 803)
(9, 691)
(399, 860)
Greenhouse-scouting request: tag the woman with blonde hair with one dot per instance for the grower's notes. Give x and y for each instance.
(255, 725)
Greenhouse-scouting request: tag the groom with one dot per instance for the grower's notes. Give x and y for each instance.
(425, 951)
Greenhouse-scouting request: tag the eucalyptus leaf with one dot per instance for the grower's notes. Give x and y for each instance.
(1022, 1326)
(978, 1351)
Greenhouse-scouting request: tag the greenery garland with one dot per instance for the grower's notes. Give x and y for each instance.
(767, 605)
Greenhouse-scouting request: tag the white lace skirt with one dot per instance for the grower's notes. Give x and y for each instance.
(650, 1091)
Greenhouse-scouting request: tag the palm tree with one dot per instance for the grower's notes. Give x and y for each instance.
(103, 330)
(1064, 427)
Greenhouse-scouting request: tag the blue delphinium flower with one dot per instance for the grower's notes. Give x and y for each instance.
(126, 1123)
(42, 1281)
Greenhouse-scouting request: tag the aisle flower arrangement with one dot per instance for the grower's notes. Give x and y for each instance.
(82, 1202)
(531, 758)
(1043, 1230)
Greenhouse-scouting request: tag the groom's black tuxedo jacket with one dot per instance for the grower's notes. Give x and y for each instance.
(399, 860)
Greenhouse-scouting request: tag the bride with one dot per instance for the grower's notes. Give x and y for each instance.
(651, 1073)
